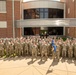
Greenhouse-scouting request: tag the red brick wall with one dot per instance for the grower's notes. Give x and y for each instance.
(18, 31)
(17, 10)
(75, 8)
(72, 31)
(3, 32)
(2, 16)
(9, 19)
(72, 5)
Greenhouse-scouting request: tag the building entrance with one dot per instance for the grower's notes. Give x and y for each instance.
(55, 30)
(38, 31)
(28, 31)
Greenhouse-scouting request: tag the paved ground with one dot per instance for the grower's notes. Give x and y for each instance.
(24, 66)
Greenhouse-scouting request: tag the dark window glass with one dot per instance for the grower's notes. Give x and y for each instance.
(46, 9)
(46, 15)
(43, 13)
(55, 13)
(41, 9)
(55, 30)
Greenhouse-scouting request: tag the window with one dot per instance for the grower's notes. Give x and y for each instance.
(3, 24)
(43, 13)
(2, 6)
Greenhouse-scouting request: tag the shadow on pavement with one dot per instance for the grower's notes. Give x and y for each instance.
(75, 62)
(31, 62)
(55, 62)
(41, 62)
(13, 58)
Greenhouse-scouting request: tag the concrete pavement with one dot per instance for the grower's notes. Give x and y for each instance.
(24, 66)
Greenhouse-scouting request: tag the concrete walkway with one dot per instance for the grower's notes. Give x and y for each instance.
(24, 66)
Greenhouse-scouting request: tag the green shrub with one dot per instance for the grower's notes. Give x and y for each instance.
(64, 38)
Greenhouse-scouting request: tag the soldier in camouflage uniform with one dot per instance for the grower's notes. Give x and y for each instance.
(6, 47)
(25, 50)
(55, 52)
(60, 43)
(44, 50)
(48, 46)
(30, 46)
(1, 48)
(16, 47)
(34, 49)
(10, 48)
(70, 50)
(58, 51)
(64, 50)
(20, 49)
(75, 49)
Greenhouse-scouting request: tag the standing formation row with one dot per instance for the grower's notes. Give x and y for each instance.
(36, 46)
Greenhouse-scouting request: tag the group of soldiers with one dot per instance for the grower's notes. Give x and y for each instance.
(37, 46)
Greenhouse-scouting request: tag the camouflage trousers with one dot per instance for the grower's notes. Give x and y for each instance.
(75, 53)
(56, 55)
(25, 51)
(9, 52)
(1, 53)
(18, 52)
(44, 53)
(34, 54)
(63, 53)
(70, 53)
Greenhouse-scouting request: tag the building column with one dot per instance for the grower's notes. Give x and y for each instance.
(13, 18)
(64, 31)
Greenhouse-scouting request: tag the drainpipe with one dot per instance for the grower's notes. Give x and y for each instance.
(13, 18)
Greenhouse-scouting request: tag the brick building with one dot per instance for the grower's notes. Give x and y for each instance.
(15, 20)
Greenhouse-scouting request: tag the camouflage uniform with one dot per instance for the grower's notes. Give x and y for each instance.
(64, 49)
(29, 48)
(58, 51)
(60, 48)
(34, 51)
(75, 50)
(1, 49)
(48, 48)
(20, 49)
(39, 47)
(6, 47)
(16, 48)
(70, 51)
(10, 49)
(25, 50)
(44, 51)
